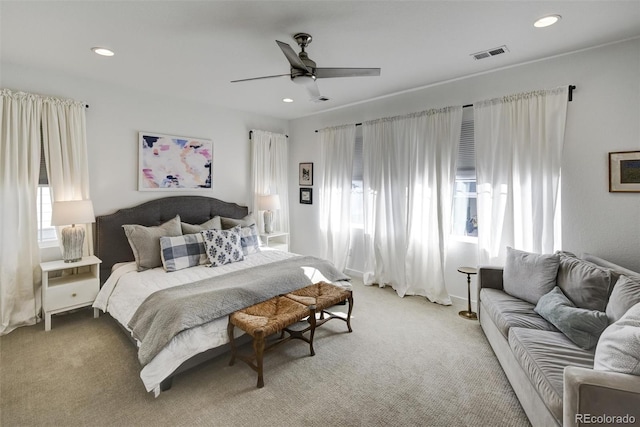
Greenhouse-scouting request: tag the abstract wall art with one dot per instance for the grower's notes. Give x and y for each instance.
(173, 163)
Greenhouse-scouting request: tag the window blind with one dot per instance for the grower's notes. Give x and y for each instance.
(466, 168)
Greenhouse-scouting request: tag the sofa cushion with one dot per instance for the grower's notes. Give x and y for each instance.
(543, 355)
(587, 285)
(626, 294)
(619, 347)
(528, 276)
(580, 325)
(507, 312)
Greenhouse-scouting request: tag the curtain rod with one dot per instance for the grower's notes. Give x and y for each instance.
(251, 133)
(571, 88)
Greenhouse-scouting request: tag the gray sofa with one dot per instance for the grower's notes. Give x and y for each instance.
(554, 378)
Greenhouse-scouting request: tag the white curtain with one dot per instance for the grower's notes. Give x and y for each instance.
(336, 157)
(269, 175)
(518, 141)
(65, 147)
(20, 116)
(408, 178)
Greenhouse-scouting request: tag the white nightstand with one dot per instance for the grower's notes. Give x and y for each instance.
(69, 292)
(277, 240)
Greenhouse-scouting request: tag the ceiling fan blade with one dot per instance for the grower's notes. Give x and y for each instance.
(324, 73)
(312, 88)
(260, 78)
(292, 57)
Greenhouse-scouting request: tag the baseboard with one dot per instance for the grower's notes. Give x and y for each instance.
(461, 302)
(456, 301)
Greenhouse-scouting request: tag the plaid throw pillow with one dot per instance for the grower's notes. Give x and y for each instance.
(223, 246)
(250, 240)
(182, 251)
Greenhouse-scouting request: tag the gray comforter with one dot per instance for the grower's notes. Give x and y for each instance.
(168, 312)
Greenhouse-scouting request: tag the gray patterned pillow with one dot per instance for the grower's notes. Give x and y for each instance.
(145, 241)
(223, 246)
(182, 251)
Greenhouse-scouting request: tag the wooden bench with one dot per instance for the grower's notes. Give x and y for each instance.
(324, 295)
(277, 314)
(266, 318)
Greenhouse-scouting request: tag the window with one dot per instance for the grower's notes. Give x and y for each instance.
(465, 207)
(46, 232)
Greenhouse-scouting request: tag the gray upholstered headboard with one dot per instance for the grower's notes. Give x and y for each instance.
(111, 244)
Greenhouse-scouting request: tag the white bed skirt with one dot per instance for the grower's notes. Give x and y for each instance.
(126, 289)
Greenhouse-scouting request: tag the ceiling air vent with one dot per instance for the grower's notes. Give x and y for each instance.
(491, 52)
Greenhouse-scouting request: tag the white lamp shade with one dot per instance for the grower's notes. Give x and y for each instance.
(270, 202)
(72, 212)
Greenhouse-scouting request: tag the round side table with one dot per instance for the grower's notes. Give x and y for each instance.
(468, 314)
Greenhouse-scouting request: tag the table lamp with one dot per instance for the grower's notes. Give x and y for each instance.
(71, 213)
(268, 204)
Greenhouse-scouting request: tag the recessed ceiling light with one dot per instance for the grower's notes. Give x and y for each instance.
(545, 21)
(102, 51)
(287, 100)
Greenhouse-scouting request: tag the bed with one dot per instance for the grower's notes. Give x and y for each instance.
(126, 291)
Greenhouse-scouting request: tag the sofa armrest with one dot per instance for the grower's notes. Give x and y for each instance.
(490, 277)
(589, 394)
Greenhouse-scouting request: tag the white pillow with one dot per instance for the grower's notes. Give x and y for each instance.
(223, 246)
(618, 349)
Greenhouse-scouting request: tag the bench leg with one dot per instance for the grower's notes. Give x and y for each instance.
(312, 326)
(258, 347)
(232, 341)
(349, 312)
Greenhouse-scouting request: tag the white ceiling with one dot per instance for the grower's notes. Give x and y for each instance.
(193, 49)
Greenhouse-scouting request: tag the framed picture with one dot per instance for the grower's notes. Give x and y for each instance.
(173, 163)
(624, 171)
(305, 174)
(306, 196)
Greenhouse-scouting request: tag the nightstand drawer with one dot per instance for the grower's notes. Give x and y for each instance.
(71, 294)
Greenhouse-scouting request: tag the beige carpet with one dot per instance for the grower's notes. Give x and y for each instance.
(408, 362)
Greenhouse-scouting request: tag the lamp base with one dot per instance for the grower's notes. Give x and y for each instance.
(72, 240)
(268, 222)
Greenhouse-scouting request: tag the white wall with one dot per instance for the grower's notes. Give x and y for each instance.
(604, 116)
(115, 117)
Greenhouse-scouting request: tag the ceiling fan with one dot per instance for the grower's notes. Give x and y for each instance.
(305, 72)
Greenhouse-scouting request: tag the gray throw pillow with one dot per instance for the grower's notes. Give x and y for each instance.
(580, 325)
(619, 347)
(626, 294)
(145, 241)
(586, 284)
(213, 223)
(529, 276)
(228, 223)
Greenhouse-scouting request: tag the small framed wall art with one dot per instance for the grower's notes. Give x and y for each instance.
(306, 196)
(305, 174)
(624, 172)
(173, 163)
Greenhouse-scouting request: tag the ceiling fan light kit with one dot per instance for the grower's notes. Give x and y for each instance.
(305, 72)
